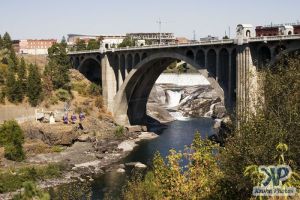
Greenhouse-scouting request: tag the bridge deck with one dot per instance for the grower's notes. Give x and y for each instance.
(200, 43)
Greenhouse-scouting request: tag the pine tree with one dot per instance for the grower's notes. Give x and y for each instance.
(7, 43)
(12, 138)
(13, 88)
(58, 66)
(63, 42)
(13, 57)
(34, 85)
(22, 76)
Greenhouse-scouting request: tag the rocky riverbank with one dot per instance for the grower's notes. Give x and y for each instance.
(88, 156)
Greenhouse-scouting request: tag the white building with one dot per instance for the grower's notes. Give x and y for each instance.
(35, 47)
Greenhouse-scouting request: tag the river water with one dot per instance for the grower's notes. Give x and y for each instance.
(176, 135)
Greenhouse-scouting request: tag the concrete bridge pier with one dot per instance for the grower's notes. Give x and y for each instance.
(109, 83)
(247, 89)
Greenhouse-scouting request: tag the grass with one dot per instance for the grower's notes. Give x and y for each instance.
(13, 179)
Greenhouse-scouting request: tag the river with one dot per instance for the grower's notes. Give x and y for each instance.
(176, 135)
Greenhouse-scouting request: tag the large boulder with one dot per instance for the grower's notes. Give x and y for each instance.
(159, 113)
(51, 134)
(157, 95)
(219, 111)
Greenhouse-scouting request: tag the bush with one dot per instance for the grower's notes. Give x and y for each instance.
(119, 131)
(80, 87)
(171, 180)
(14, 179)
(12, 138)
(94, 90)
(63, 95)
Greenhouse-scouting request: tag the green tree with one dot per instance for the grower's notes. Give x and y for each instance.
(128, 41)
(12, 138)
(7, 43)
(34, 85)
(63, 42)
(93, 44)
(22, 76)
(13, 88)
(80, 45)
(58, 66)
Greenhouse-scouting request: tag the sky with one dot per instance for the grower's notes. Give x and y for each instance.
(37, 19)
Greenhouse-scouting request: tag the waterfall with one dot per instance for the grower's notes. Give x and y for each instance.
(173, 98)
(179, 116)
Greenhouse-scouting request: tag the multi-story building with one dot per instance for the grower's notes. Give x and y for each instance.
(153, 38)
(35, 47)
(108, 41)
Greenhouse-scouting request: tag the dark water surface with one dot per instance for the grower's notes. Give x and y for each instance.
(176, 135)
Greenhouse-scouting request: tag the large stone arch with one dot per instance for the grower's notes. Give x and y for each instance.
(131, 99)
(212, 63)
(91, 69)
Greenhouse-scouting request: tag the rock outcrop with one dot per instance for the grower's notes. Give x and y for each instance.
(54, 134)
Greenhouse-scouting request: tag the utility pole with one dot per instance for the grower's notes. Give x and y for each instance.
(159, 27)
(194, 35)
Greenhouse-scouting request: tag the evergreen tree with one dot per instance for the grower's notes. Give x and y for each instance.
(63, 42)
(12, 138)
(7, 43)
(34, 85)
(22, 76)
(13, 88)
(58, 67)
(13, 57)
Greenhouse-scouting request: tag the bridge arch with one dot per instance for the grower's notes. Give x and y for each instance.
(200, 58)
(190, 54)
(212, 63)
(144, 55)
(122, 66)
(264, 56)
(137, 59)
(91, 69)
(129, 62)
(131, 99)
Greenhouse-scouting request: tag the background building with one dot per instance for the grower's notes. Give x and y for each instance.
(153, 38)
(35, 47)
(108, 41)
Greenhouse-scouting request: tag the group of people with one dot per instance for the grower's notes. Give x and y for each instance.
(74, 119)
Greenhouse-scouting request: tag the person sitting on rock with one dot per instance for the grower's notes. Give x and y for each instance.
(73, 118)
(65, 119)
(81, 118)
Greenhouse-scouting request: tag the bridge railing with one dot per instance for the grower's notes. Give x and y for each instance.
(210, 42)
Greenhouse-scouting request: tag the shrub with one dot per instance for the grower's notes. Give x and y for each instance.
(31, 192)
(119, 131)
(12, 138)
(63, 95)
(171, 180)
(94, 89)
(80, 87)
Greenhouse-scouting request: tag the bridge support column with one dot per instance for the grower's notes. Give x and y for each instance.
(120, 76)
(246, 83)
(109, 83)
(229, 80)
(217, 65)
